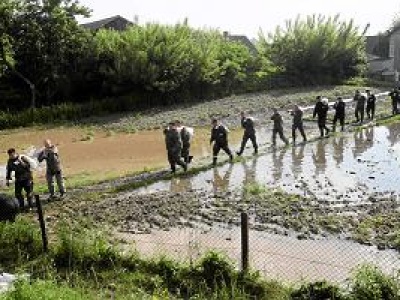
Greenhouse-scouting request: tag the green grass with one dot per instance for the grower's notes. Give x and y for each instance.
(85, 264)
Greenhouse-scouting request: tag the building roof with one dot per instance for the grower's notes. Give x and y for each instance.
(96, 25)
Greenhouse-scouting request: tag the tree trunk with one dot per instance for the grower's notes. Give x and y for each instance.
(25, 79)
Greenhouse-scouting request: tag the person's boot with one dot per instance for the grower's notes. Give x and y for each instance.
(255, 150)
(214, 162)
(327, 130)
(239, 153)
(185, 167)
(321, 132)
(173, 169)
(190, 158)
(231, 158)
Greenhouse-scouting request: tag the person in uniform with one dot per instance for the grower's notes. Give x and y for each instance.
(219, 136)
(249, 133)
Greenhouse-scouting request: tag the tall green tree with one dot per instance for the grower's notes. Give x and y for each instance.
(316, 49)
(45, 39)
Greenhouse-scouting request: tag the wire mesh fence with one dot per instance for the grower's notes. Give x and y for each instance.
(284, 258)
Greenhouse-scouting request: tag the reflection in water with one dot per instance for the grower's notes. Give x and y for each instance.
(338, 149)
(221, 183)
(363, 140)
(277, 160)
(393, 135)
(249, 171)
(319, 156)
(179, 185)
(354, 166)
(297, 159)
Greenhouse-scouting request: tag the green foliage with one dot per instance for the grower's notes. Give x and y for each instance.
(167, 58)
(370, 283)
(23, 290)
(320, 290)
(83, 249)
(316, 50)
(216, 270)
(19, 242)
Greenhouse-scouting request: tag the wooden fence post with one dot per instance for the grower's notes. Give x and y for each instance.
(245, 241)
(42, 223)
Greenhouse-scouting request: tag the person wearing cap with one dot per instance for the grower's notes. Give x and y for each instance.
(321, 111)
(277, 127)
(173, 144)
(53, 168)
(371, 100)
(360, 106)
(340, 113)
(219, 136)
(297, 114)
(249, 133)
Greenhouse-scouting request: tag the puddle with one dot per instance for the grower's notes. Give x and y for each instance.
(275, 256)
(351, 167)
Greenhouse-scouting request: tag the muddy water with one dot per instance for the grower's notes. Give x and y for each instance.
(98, 153)
(348, 168)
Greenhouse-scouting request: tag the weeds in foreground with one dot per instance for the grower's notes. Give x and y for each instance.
(84, 264)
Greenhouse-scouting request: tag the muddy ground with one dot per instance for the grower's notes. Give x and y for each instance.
(114, 204)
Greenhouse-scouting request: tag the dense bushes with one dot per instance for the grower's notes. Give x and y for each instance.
(47, 58)
(316, 50)
(19, 242)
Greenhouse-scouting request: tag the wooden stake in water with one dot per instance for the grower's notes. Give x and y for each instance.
(42, 223)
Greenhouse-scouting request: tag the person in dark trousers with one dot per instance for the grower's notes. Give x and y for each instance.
(340, 113)
(53, 168)
(297, 114)
(394, 96)
(360, 106)
(219, 136)
(371, 100)
(186, 137)
(278, 127)
(173, 144)
(21, 166)
(321, 110)
(249, 133)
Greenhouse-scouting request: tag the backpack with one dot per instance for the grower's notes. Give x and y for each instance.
(33, 164)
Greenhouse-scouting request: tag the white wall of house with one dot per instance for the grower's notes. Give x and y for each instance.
(380, 65)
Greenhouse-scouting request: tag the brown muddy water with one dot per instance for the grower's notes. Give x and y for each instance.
(100, 154)
(349, 168)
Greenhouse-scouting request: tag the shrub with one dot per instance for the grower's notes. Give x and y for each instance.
(370, 283)
(23, 290)
(19, 242)
(83, 249)
(320, 290)
(316, 50)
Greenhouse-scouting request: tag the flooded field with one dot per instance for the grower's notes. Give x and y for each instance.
(350, 167)
(94, 152)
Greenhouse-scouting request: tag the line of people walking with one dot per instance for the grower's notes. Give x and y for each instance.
(178, 139)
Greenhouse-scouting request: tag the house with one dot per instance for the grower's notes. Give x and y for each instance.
(117, 23)
(394, 50)
(380, 63)
(243, 40)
